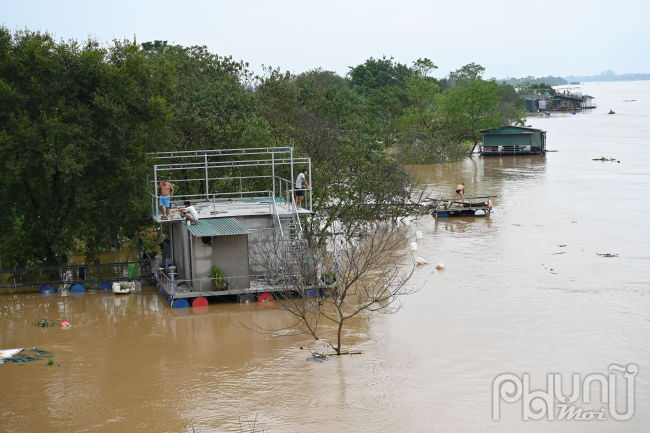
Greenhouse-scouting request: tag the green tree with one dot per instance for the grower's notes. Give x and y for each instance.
(471, 106)
(354, 179)
(376, 73)
(76, 124)
(212, 106)
(422, 67)
(384, 107)
(512, 106)
(424, 128)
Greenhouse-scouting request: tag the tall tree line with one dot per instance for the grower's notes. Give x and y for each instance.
(78, 120)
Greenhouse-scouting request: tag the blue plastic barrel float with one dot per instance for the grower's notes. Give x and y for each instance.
(180, 303)
(104, 286)
(245, 297)
(78, 291)
(48, 292)
(47, 289)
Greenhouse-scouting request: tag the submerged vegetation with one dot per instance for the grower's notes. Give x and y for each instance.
(78, 120)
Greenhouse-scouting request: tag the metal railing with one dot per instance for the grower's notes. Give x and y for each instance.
(284, 190)
(202, 286)
(211, 170)
(68, 275)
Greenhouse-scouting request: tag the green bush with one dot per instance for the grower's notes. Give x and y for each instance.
(218, 278)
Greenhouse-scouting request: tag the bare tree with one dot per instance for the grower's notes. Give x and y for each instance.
(350, 277)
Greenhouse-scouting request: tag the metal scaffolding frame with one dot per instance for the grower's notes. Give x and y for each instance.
(212, 160)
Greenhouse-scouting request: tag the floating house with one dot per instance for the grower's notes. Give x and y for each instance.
(244, 203)
(562, 99)
(513, 140)
(588, 101)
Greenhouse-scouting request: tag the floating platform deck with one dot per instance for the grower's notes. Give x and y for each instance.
(228, 208)
(468, 206)
(180, 294)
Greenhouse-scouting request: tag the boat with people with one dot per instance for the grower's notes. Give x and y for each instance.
(465, 206)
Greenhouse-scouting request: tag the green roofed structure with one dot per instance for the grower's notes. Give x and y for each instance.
(513, 140)
(245, 203)
(219, 227)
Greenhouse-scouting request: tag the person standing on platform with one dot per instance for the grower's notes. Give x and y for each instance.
(166, 193)
(460, 191)
(300, 192)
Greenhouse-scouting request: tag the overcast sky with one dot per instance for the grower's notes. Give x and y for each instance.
(508, 37)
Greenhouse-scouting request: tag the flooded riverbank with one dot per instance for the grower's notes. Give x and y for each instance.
(523, 291)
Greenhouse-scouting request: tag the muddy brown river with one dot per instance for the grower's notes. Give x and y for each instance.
(523, 291)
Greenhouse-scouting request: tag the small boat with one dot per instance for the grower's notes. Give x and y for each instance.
(123, 287)
(611, 112)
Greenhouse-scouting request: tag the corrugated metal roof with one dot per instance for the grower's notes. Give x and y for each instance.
(218, 227)
(510, 130)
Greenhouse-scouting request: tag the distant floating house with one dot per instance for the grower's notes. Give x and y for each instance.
(588, 102)
(562, 99)
(513, 140)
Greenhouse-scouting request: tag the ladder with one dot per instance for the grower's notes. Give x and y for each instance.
(289, 237)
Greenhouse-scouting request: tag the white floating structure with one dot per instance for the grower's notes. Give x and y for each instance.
(123, 287)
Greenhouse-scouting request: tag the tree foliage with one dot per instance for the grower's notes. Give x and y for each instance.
(76, 124)
(376, 73)
(471, 106)
(77, 121)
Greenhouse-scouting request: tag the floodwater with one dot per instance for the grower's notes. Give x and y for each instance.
(523, 291)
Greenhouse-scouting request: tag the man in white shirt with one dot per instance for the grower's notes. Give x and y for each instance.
(190, 213)
(300, 193)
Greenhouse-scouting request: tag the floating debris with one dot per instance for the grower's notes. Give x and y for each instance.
(604, 159)
(44, 323)
(320, 357)
(8, 353)
(607, 255)
(38, 356)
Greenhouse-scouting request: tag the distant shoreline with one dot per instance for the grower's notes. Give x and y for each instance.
(609, 77)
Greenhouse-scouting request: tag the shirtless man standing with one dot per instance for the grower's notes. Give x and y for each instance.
(460, 190)
(166, 193)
